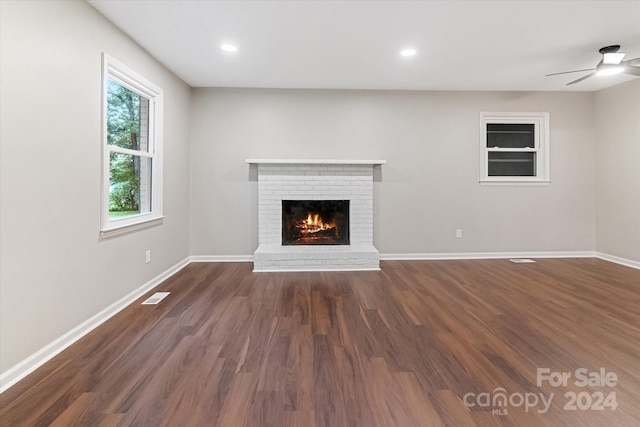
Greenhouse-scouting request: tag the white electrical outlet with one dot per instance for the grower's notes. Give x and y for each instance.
(148, 256)
(459, 233)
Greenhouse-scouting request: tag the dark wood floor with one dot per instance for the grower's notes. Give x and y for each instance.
(401, 347)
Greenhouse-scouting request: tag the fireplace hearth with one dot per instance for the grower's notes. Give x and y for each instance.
(315, 222)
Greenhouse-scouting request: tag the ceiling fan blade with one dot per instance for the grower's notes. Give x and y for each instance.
(580, 79)
(629, 69)
(634, 61)
(569, 72)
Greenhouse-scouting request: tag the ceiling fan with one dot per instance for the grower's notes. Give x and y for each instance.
(611, 63)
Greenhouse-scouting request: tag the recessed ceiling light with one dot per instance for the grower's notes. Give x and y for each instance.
(408, 52)
(228, 47)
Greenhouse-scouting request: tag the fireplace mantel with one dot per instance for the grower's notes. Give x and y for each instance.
(281, 180)
(315, 162)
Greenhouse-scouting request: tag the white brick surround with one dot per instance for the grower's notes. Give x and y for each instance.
(280, 180)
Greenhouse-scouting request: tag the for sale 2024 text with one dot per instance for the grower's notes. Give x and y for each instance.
(582, 377)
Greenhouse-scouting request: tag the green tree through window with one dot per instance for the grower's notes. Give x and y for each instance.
(128, 128)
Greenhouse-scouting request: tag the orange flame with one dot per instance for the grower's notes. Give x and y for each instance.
(313, 224)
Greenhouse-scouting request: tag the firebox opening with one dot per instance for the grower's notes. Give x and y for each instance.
(315, 222)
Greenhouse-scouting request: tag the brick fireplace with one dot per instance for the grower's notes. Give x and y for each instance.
(311, 186)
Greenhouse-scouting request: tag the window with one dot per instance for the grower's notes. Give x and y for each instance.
(132, 150)
(514, 149)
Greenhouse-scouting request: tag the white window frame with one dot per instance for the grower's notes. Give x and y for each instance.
(541, 148)
(116, 71)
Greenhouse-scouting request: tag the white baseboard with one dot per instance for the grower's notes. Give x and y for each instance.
(31, 363)
(221, 258)
(486, 255)
(618, 260)
(425, 256)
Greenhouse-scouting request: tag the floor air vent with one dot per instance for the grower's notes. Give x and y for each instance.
(521, 260)
(155, 298)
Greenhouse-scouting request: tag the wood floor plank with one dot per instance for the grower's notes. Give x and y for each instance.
(414, 344)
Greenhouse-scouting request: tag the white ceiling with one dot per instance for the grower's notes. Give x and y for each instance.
(462, 45)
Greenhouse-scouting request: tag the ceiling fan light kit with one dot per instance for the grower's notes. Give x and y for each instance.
(609, 70)
(610, 64)
(613, 58)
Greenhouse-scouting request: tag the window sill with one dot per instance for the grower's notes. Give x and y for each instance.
(514, 183)
(114, 230)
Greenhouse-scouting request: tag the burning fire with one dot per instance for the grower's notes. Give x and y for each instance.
(313, 224)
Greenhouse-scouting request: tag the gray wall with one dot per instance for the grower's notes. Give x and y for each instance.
(429, 186)
(618, 170)
(54, 271)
